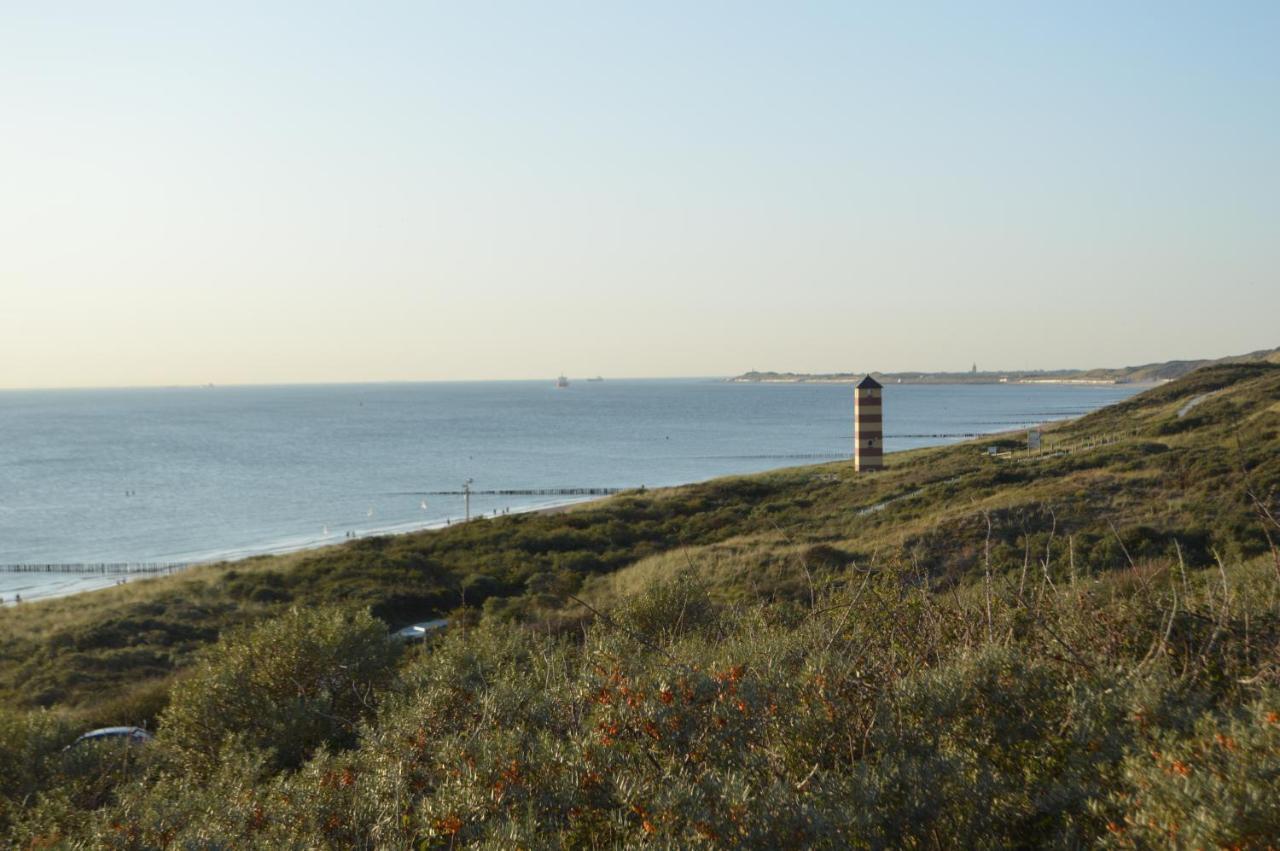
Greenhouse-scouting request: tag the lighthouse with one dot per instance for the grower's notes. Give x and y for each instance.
(868, 427)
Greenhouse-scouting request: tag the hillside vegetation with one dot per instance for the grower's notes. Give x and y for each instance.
(1078, 646)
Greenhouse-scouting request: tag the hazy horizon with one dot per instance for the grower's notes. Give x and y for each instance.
(586, 376)
(313, 193)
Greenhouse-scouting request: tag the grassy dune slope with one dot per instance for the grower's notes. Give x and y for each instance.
(1131, 482)
(1134, 481)
(1074, 648)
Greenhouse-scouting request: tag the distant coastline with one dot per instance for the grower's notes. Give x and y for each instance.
(927, 378)
(1152, 373)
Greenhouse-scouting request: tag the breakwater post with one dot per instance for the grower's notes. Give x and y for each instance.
(105, 568)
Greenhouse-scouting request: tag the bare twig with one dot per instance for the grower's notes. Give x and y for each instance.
(813, 597)
(1265, 516)
(1026, 559)
(1048, 550)
(1071, 558)
(1157, 647)
(986, 565)
(1182, 567)
(805, 782)
(1074, 655)
(630, 632)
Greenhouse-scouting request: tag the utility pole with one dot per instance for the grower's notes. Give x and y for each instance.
(466, 499)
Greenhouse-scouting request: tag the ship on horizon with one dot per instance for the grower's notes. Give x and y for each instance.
(562, 382)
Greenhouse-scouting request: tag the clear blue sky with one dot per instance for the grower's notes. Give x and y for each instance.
(399, 191)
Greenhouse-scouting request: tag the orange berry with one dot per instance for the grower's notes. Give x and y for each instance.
(448, 824)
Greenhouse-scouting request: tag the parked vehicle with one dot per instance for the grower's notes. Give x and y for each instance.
(419, 631)
(126, 735)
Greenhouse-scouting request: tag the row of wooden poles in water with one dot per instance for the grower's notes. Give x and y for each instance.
(133, 568)
(100, 567)
(153, 568)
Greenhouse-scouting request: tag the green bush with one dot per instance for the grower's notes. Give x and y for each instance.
(287, 686)
(1218, 787)
(30, 744)
(1037, 750)
(669, 608)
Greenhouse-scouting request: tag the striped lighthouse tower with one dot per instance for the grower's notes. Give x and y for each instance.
(868, 427)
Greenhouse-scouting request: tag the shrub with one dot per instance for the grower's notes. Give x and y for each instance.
(287, 686)
(1218, 787)
(669, 608)
(29, 743)
(1036, 749)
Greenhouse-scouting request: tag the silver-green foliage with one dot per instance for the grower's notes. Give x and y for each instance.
(287, 686)
(881, 716)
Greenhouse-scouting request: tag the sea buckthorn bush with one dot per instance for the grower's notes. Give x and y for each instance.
(880, 716)
(287, 686)
(1216, 786)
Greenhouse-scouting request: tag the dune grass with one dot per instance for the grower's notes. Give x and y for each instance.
(1079, 646)
(1138, 483)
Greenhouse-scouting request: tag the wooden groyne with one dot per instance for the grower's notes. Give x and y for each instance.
(947, 434)
(104, 568)
(793, 456)
(521, 492)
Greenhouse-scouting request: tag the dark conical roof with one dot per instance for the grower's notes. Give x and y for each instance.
(868, 383)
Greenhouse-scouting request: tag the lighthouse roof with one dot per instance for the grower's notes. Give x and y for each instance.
(868, 383)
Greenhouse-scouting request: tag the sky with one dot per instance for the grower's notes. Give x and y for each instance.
(328, 192)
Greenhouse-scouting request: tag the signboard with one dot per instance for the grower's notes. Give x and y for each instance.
(1033, 440)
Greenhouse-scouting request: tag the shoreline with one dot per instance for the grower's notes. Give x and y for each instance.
(71, 583)
(37, 586)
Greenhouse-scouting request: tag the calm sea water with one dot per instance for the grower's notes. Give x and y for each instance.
(189, 474)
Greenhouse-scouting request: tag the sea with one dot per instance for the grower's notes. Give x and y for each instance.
(163, 476)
